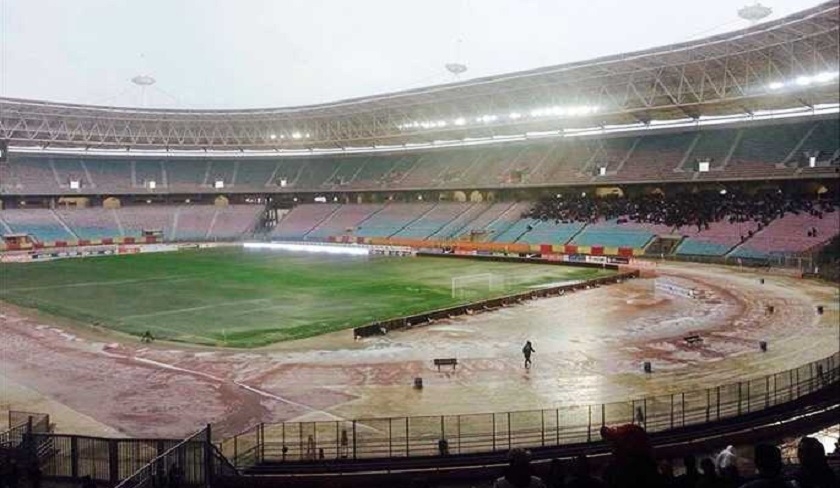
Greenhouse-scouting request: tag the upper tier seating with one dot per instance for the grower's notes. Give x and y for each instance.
(656, 157)
(185, 174)
(254, 173)
(775, 150)
(146, 171)
(713, 145)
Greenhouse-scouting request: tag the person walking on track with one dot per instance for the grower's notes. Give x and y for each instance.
(527, 350)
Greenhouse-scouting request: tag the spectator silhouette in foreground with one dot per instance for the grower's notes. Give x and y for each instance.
(689, 479)
(726, 463)
(581, 477)
(814, 471)
(709, 478)
(556, 474)
(518, 472)
(632, 465)
(768, 463)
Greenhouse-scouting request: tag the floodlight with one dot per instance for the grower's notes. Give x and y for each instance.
(75, 184)
(273, 136)
(825, 76)
(151, 184)
(803, 81)
(514, 115)
(776, 85)
(219, 184)
(283, 182)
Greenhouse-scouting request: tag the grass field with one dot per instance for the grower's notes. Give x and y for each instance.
(242, 298)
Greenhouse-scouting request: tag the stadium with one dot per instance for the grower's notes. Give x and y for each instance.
(338, 294)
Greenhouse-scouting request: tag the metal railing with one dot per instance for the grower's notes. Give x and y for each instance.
(188, 463)
(476, 433)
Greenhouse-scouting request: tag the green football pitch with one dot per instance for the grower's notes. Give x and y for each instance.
(244, 298)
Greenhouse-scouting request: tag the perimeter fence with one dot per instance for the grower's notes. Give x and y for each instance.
(397, 437)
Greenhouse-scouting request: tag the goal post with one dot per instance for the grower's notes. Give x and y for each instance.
(477, 284)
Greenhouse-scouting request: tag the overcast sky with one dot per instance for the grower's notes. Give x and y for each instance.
(271, 53)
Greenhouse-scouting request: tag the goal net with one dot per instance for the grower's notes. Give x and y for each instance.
(471, 286)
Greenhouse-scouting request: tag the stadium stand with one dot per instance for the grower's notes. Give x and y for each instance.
(186, 174)
(713, 145)
(224, 171)
(135, 220)
(343, 221)
(193, 222)
(657, 157)
(233, 221)
(302, 219)
(67, 170)
(91, 223)
(255, 173)
(145, 171)
(716, 240)
(550, 232)
(392, 219)
(43, 224)
(109, 175)
(756, 152)
(434, 220)
(611, 235)
(792, 233)
(455, 226)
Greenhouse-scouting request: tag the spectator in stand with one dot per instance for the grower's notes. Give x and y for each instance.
(681, 210)
(689, 479)
(709, 478)
(666, 471)
(813, 471)
(581, 477)
(768, 463)
(518, 472)
(556, 474)
(632, 465)
(727, 466)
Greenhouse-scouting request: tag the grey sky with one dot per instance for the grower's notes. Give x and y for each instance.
(269, 53)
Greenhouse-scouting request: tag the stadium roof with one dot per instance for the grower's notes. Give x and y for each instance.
(788, 63)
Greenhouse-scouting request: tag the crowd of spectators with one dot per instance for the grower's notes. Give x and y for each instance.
(686, 209)
(633, 465)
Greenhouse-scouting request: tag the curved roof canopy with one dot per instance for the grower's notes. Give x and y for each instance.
(787, 63)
